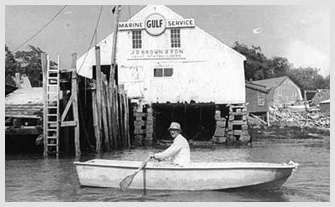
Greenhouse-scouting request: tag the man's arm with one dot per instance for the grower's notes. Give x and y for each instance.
(169, 152)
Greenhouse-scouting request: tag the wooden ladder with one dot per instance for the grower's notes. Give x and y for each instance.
(51, 109)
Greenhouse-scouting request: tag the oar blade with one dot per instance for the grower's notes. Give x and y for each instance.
(125, 183)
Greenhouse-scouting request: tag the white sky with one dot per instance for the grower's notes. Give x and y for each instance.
(299, 33)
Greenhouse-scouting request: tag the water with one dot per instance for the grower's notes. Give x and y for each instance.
(34, 178)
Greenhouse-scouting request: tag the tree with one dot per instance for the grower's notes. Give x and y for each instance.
(308, 78)
(256, 62)
(30, 64)
(278, 66)
(11, 67)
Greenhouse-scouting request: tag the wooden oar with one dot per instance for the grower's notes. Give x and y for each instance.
(125, 183)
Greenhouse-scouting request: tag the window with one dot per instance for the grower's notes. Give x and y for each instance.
(175, 37)
(260, 99)
(163, 72)
(137, 39)
(280, 93)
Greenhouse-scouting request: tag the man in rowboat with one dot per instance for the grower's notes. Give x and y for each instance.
(179, 151)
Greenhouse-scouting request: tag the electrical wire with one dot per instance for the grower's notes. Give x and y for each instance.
(92, 39)
(49, 22)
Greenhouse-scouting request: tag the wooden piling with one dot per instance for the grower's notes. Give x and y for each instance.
(104, 113)
(75, 103)
(97, 99)
(45, 118)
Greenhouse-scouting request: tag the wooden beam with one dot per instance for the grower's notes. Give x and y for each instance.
(67, 107)
(98, 98)
(75, 103)
(104, 112)
(68, 123)
(45, 118)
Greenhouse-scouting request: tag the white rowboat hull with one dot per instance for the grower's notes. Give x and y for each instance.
(198, 176)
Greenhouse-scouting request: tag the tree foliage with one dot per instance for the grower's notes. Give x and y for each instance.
(259, 67)
(308, 78)
(28, 63)
(11, 67)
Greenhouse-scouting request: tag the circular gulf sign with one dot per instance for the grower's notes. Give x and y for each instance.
(155, 24)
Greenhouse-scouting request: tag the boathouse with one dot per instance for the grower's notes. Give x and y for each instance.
(172, 70)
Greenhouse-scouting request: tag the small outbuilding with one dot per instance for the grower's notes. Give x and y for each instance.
(282, 91)
(23, 111)
(256, 97)
(320, 96)
(325, 106)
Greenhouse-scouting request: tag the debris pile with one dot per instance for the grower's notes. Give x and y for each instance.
(285, 117)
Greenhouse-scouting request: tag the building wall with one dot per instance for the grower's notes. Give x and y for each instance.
(254, 104)
(321, 95)
(285, 94)
(204, 69)
(325, 108)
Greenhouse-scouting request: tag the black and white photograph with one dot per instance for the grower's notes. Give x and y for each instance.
(167, 103)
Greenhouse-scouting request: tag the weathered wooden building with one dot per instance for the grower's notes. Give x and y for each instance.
(23, 118)
(321, 95)
(257, 100)
(325, 106)
(282, 91)
(174, 71)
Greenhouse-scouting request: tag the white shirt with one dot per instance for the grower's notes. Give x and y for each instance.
(179, 152)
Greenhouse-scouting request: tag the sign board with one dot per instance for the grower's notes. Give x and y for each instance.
(155, 24)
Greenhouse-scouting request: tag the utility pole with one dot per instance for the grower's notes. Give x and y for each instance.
(115, 29)
(112, 84)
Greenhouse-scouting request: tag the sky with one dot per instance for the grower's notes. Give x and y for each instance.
(300, 33)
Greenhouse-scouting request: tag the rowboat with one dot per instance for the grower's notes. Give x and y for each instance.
(197, 176)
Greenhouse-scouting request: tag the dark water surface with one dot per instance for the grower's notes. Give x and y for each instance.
(34, 178)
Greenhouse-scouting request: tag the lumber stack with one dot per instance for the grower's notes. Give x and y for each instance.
(220, 130)
(237, 130)
(144, 126)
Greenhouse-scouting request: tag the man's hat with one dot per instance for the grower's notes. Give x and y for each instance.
(175, 126)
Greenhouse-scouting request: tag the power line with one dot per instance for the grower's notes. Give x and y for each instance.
(94, 34)
(41, 28)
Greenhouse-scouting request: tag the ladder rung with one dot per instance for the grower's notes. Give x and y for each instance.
(52, 129)
(52, 145)
(52, 107)
(52, 137)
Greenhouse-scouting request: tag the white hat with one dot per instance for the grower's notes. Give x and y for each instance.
(174, 125)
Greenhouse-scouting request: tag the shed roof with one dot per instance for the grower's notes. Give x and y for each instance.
(272, 82)
(256, 87)
(325, 101)
(24, 103)
(321, 95)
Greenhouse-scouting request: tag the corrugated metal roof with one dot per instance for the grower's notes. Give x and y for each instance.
(272, 82)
